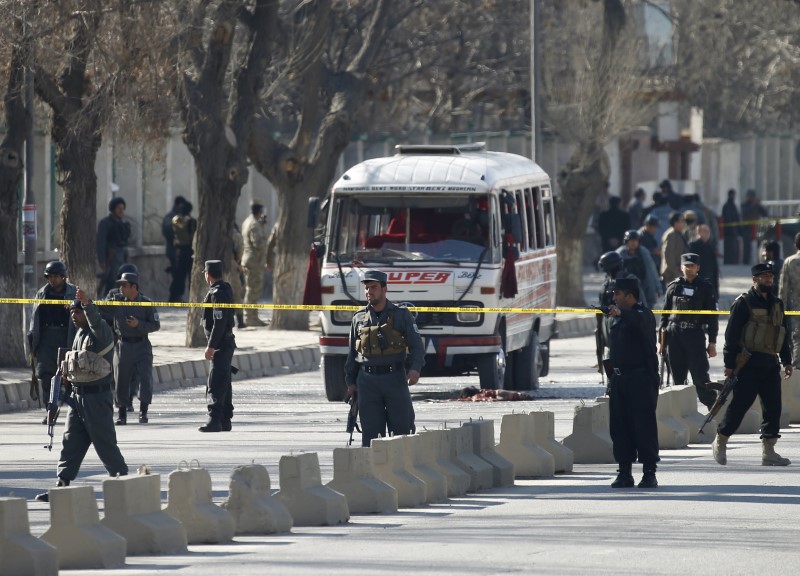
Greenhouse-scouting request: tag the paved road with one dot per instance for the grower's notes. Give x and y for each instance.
(703, 519)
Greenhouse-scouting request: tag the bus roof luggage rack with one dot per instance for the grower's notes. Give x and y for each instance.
(440, 148)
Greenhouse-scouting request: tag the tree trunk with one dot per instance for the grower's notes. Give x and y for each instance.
(294, 240)
(75, 161)
(212, 240)
(581, 180)
(17, 121)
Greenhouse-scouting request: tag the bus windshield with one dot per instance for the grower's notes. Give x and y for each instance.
(391, 229)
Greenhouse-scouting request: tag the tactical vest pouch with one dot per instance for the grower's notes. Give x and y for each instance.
(764, 332)
(85, 365)
(382, 340)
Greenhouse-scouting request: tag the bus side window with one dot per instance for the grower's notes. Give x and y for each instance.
(523, 244)
(530, 217)
(537, 215)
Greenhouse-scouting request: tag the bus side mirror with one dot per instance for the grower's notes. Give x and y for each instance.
(312, 216)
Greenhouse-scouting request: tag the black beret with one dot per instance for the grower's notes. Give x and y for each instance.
(690, 258)
(214, 267)
(627, 284)
(761, 268)
(375, 276)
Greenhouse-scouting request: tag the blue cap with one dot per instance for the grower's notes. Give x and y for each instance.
(375, 276)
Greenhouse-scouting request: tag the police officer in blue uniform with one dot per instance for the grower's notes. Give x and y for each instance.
(133, 352)
(383, 337)
(51, 327)
(686, 333)
(218, 325)
(633, 385)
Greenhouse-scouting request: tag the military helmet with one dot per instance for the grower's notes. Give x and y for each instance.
(631, 235)
(609, 262)
(55, 268)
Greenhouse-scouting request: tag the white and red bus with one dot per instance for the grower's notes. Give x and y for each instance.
(453, 227)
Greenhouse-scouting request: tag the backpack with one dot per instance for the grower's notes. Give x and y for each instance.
(86, 366)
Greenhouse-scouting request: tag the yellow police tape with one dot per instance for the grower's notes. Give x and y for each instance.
(353, 308)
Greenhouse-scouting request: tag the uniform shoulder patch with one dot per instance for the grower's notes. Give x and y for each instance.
(217, 314)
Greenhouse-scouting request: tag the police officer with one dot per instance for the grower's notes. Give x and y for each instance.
(613, 265)
(633, 388)
(91, 421)
(381, 335)
(133, 353)
(683, 336)
(107, 312)
(758, 324)
(50, 327)
(218, 325)
(113, 233)
(638, 261)
(254, 260)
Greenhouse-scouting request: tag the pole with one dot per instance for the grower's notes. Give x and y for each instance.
(29, 223)
(536, 80)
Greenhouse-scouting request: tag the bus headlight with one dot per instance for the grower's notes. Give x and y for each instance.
(468, 315)
(342, 316)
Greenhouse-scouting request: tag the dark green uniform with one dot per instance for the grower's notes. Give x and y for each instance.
(383, 396)
(218, 325)
(92, 421)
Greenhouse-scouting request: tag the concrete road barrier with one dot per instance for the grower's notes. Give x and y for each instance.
(189, 501)
(518, 445)
(22, 554)
(793, 386)
(75, 530)
(544, 435)
(132, 506)
(590, 440)
(388, 457)
(673, 433)
(481, 474)
(684, 400)
(252, 505)
(484, 446)
(309, 502)
(438, 443)
(354, 476)
(417, 464)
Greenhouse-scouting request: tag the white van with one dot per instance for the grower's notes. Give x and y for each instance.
(453, 227)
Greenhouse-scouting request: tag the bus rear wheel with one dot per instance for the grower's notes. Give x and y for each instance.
(528, 365)
(332, 368)
(491, 370)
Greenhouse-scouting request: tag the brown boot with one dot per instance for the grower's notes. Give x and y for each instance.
(768, 455)
(719, 448)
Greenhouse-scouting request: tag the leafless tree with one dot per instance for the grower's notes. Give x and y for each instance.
(739, 60)
(17, 121)
(595, 90)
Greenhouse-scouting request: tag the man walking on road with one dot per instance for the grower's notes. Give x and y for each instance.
(673, 244)
(381, 335)
(633, 386)
(91, 420)
(789, 293)
(757, 324)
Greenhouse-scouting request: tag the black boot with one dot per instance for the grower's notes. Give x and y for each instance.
(143, 413)
(45, 496)
(649, 477)
(122, 417)
(226, 425)
(213, 425)
(624, 476)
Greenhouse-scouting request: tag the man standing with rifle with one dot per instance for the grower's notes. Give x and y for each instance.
(50, 327)
(758, 324)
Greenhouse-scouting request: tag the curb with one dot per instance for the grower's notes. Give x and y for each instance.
(14, 396)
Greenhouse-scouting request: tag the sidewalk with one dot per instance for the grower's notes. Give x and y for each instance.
(264, 352)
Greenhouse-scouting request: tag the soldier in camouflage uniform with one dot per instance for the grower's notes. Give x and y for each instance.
(789, 293)
(254, 260)
(237, 274)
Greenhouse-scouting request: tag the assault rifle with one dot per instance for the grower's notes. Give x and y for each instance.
(352, 418)
(34, 387)
(727, 387)
(58, 396)
(664, 365)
